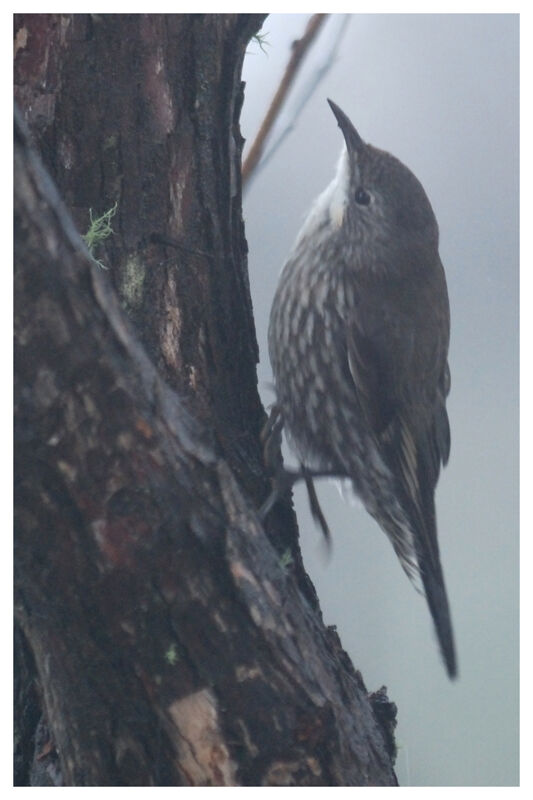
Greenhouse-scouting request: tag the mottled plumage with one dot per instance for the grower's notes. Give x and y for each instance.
(358, 341)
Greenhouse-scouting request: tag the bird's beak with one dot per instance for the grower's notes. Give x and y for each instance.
(351, 137)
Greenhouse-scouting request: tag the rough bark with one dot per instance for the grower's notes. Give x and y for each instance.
(161, 639)
(143, 110)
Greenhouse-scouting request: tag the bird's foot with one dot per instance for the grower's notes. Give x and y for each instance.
(284, 479)
(283, 482)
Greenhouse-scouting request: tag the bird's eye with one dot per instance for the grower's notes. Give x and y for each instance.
(362, 197)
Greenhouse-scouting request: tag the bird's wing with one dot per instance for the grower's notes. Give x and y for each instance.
(371, 376)
(396, 346)
(401, 381)
(396, 356)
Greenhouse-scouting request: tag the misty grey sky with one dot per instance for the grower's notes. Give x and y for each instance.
(441, 93)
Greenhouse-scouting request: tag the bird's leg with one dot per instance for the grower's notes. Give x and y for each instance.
(284, 479)
(315, 508)
(271, 440)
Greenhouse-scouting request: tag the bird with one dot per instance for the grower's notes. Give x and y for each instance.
(358, 341)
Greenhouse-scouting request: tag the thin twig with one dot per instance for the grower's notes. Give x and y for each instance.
(317, 72)
(299, 49)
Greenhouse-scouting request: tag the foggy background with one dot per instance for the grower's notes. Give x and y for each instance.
(440, 92)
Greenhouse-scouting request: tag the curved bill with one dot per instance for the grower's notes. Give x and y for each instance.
(351, 137)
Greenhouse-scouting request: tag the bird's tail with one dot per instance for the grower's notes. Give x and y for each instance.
(422, 565)
(435, 590)
(412, 529)
(428, 557)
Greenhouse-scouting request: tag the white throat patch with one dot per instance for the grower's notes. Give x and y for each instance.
(337, 198)
(329, 207)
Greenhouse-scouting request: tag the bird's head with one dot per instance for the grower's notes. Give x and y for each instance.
(378, 201)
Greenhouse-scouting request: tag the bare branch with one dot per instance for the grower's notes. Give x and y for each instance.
(299, 49)
(289, 116)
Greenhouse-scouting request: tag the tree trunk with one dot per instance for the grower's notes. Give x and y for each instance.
(164, 637)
